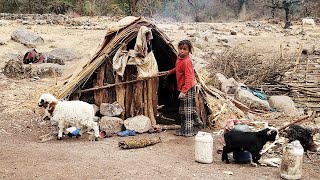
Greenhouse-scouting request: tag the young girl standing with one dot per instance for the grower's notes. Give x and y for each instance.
(186, 86)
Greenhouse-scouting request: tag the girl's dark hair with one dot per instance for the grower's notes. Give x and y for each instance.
(186, 42)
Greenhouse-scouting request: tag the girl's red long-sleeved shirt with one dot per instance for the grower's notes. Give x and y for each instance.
(184, 74)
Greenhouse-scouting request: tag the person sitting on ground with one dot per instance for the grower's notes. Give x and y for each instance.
(186, 85)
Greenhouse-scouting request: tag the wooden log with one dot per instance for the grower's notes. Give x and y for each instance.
(150, 102)
(138, 143)
(100, 94)
(170, 127)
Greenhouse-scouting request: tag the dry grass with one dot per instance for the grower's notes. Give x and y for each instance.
(250, 67)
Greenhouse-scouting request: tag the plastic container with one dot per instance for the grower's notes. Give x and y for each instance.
(242, 157)
(204, 147)
(292, 160)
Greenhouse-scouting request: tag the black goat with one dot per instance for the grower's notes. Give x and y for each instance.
(304, 135)
(247, 141)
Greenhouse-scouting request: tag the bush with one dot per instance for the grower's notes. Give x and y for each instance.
(249, 67)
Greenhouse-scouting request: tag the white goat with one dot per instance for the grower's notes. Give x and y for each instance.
(309, 21)
(69, 113)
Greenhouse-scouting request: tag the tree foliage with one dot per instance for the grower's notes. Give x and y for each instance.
(186, 10)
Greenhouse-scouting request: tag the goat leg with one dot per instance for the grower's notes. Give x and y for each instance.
(225, 154)
(255, 156)
(61, 127)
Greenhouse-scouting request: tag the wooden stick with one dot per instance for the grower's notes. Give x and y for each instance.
(117, 84)
(296, 121)
(269, 147)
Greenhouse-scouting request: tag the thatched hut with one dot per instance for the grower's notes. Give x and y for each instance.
(97, 82)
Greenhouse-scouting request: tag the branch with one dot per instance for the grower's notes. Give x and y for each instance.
(189, 1)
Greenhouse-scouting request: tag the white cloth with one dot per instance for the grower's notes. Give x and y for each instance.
(146, 62)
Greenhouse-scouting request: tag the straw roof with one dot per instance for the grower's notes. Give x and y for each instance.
(122, 32)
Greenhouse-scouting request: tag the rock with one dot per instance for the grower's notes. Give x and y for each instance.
(253, 24)
(139, 123)
(55, 60)
(113, 109)
(229, 86)
(251, 100)
(233, 33)
(61, 55)
(26, 37)
(2, 41)
(43, 70)
(225, 85)
(284, 104)
(111, 124)
(222, 40)
(219, 79)
(308, 50)
(16, 69)
(13, 68)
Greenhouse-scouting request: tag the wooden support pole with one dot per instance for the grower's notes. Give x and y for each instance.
(139, 97)
(150, 102)
(145, 98)
(155, 82)
(100, 94)
(128, 98)
(120, 92)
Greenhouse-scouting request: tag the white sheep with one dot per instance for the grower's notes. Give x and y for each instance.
(69, 113)
(308, 21)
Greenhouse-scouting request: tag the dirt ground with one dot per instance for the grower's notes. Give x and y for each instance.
(23, 157)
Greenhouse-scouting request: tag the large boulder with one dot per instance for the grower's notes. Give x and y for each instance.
(60, 55)
(284, 104)
(113, 109)
(250, 100)
(139, 123)
(111, 125)
(26, 37)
